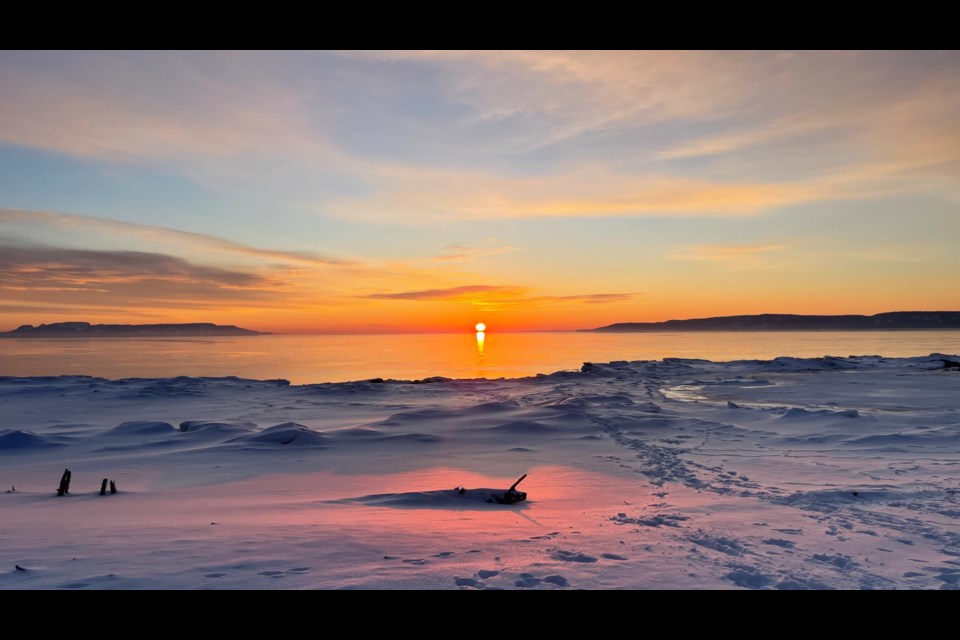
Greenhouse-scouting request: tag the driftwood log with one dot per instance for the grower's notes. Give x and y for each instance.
(103, 487)
(64, 483)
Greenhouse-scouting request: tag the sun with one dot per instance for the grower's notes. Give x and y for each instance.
(480, 327)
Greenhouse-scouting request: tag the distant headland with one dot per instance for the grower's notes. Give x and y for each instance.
(788, 322)
(87, 330)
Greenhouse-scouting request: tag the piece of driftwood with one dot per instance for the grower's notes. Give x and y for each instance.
(511, 495)
(113, 486)
(64, 483)
(103, 487)
(498, 496)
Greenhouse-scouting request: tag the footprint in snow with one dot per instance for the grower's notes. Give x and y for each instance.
(571, 556)
(468, 582)
(523, 580)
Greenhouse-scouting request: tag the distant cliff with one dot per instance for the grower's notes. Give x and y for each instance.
(87, 330)
(788, 322)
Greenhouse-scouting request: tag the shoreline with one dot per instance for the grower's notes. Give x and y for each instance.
(814, 364)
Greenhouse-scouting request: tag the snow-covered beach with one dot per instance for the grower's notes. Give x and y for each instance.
(790, 473)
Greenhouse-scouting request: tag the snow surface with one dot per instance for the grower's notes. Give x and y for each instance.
(792, 473)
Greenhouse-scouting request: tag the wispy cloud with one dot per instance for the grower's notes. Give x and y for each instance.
(493, 295)
(56, 267)
(147, 107)
(779, 130)
(121, 283)
(476, 293)
(590, 298)
(584, 194)
(560, 95)
(230, 121)
(727, 252)
(466, 252)
(77, 224)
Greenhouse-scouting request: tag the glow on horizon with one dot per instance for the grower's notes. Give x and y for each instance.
(480, 327)
(378, 192)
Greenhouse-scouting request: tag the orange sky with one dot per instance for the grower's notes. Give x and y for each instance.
(427, 191)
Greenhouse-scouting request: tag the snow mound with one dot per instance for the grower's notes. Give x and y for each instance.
(947, 436)
(522, 427)
(287, 433)
(11, 439)
(485, 408)
(367, 435)
(418, 415)
(142, 428)
(217, 426)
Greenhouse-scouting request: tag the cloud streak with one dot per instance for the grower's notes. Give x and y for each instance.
(590, 298)
(588, 194)
(466, 252)
(51, 267)
(74, 224)
(475, 293)
(487, 295)
(717, 252)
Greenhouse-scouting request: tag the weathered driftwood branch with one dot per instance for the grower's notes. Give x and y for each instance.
(113, 486)
(511, 495)
(64, 483)
(103, 487)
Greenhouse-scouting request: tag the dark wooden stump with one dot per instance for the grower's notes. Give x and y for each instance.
(113, 486)
(64, 483)
(103, 487)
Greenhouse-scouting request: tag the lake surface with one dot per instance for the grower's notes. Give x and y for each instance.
(336, 358)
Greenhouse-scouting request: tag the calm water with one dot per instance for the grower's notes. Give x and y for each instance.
(303, 359)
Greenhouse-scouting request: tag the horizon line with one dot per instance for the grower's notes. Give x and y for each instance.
(470, 330)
